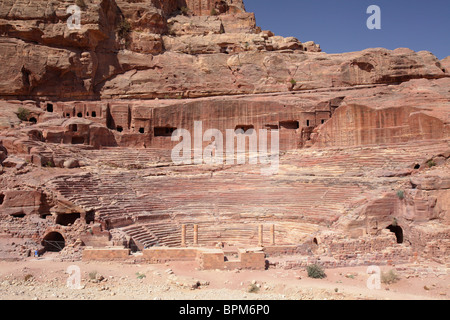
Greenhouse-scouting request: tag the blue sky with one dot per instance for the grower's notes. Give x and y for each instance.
(340, 25)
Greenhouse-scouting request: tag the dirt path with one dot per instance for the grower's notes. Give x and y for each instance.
(46, 279)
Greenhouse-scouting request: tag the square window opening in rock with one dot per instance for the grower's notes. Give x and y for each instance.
(290, 125)
(164, 131)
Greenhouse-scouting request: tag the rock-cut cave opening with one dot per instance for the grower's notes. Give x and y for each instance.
(398, 231)
(53, 242)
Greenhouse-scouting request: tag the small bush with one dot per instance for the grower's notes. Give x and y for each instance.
(214, 12)
(140, 275)
(28, 277)
(23, 114)
(124, 29)
(81, 4)
(49, 164)
(184, 11)
(293, 82)
(389, 277)
(135, 166)
(315, 271)
(431, 164)
(253, 288)
(93, 275)
(401, 194)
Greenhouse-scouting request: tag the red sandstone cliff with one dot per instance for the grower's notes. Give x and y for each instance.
(355, 129)
(128, 49)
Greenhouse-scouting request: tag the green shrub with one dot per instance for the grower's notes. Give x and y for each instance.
(401, 194)
(124, 29)
(184, 11)
(389, 277)
(431, 163)
(49, 164)
(315, 271)
(293, 82)
(23, 114)
(214, 12)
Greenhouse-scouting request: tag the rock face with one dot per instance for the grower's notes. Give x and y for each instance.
(87, 116)
(18, 203)
(148, 51)
(413, 112)
(445, 64)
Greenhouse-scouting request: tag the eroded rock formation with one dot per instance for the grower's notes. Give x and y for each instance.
(87, 115)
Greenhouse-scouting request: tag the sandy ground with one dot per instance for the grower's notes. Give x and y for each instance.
(45, 278)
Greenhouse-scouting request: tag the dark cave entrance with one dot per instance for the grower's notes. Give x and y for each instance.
(163, 131)
(398, 231)
(77, 140)
(53, 242)
(291, 125)
(67, 219)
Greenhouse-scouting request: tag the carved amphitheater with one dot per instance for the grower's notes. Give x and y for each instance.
(86, 124)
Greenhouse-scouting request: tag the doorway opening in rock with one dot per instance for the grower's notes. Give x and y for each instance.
(271, 127)
(133, 246)
(245, 128)
(73, 127)
(67, 219)
(90, 216)
(163, 131)
(398, 231)
(44, 215)
(77, 140)
(53, 242)
(33, 120)
(2, 198)
(291, 125)
(18, 215)
(49, 107)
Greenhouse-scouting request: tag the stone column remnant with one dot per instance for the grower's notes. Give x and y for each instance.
(183, 235)
(195, 234)
(260, 235)
(272, 234)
